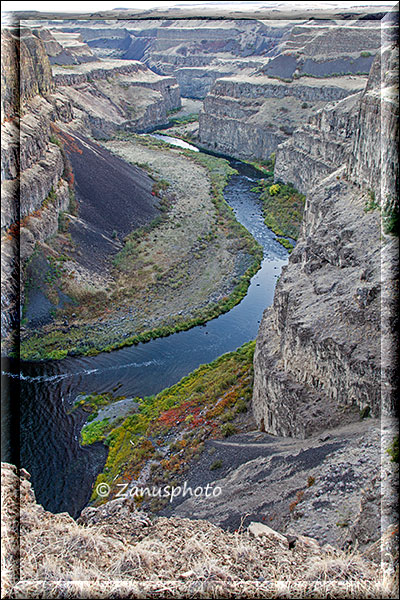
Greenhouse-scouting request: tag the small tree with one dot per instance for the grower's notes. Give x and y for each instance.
(274, 189)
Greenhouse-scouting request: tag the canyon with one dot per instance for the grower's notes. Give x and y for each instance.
(38, 179)
(311, 417)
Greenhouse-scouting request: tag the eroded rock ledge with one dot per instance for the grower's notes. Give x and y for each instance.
(318, 352)
(118, 550)
(93, 96)
(249, 115)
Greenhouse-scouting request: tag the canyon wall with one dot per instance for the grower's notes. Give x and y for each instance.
(33, 188)
(38, 101)
(318, 353)
(195, 51)
(117, 94)
(337, 47)
(323, 144)
(313, 63)
(248, 116)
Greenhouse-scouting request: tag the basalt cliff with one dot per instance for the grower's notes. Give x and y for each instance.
(318, 355)
(250, 113)
(93, 97)
(195, 51)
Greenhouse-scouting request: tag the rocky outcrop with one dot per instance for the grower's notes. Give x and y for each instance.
(53, 555)
(249, 116)
(65, 48)
(373, 160)
(318, 351)
(37, 183)
(313, 64)
(318, 347)
(334, 48)
(33, 166)
(320, 146)
(34, 76)
(111, 95)
(355, 130)
(196, 52)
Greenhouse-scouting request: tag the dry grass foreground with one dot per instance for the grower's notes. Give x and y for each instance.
(117, 552)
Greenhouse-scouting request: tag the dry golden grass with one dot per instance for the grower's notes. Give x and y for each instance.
(119, 553)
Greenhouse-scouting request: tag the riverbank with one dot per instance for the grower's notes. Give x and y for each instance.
(189, 265)
(156, 442)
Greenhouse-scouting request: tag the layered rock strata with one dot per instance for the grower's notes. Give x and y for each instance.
(110, 95)
(324, 49)
(323, 144)
(65, 48)
(196, 52)
(318, 352)
(248, 116)
(34, 190)
(37, 180)
(360, 130)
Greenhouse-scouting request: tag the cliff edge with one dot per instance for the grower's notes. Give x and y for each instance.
(318, 359)
(116, 551)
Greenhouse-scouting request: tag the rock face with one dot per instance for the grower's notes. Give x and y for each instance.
(323, 144)
(110, 95)
(33, 188)
(318, 350)
(336, 48)
(37, 181)
(313, 64)
(196, 52)
(35, 74)
(249, 116)
(65, 48)
(136, 554)
(373, 155)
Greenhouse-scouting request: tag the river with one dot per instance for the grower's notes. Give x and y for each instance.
(41, 394)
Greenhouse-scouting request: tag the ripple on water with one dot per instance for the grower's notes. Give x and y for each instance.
(62, 471)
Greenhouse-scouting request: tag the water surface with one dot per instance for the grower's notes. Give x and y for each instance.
(62, 471)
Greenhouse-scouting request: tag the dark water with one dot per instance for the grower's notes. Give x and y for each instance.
(62, 471)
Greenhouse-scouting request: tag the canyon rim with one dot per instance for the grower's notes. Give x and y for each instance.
(199, 292)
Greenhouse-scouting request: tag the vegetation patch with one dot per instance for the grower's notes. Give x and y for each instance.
(393, 450)
(266, 167)
(191, 118)
(283, 208)
(285, 243)
(389, 213)
(142, 269)
(171, 427)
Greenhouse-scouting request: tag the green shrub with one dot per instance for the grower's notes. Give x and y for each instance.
(371, 203)
(393, 450)
(241, 406)
(365, 412)
(228, 429)
(274, 189)
(217, 464)
(227, 416)
(55, 140)
(390, 220)
(62, 222)
(73, 204)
